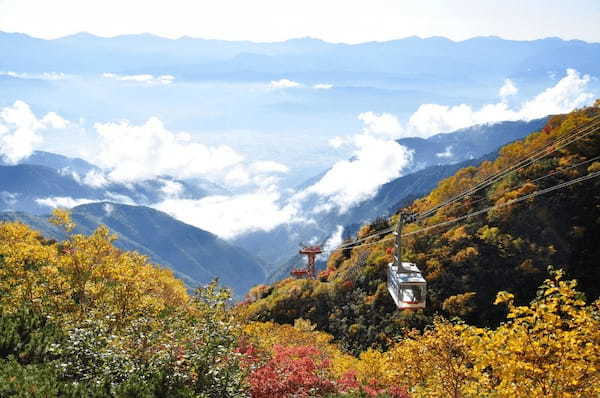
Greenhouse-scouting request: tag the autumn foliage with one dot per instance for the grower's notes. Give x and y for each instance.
(81, 318)
(299, 371)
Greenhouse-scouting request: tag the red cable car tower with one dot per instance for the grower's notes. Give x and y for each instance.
(310, 271)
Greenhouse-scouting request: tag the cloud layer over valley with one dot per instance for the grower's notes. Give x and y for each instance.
(376, 159)
(20, 131)
(133, 152)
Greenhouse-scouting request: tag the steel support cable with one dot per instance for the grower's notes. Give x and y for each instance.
(478, 212)
(390, 229)
(529, 159)
(555, 172)
(532, 157)
(378, 233)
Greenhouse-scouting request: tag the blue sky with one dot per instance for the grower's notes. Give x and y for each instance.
(347, 21)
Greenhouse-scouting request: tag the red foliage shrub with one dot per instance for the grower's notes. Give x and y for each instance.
(324, 275)
(349, 383)
(347, 285)
(292, 371)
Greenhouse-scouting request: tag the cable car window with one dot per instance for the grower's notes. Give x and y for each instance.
(412, 294)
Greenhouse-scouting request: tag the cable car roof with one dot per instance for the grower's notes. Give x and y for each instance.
(408, 273)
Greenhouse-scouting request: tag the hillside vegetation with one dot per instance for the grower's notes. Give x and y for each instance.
(194, 255)
(465, 263)
(80, 317)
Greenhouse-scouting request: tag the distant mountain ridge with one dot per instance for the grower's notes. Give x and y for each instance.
(30, 187)
(467, 147)
(45, 176)
(467, 143)
(60, 162)
(433, 57)
(196, 256)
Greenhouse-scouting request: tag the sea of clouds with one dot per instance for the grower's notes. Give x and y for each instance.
(129, 153)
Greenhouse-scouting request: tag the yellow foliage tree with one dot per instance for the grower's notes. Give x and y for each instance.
(548, 349)
(82, 276)
(437, 363)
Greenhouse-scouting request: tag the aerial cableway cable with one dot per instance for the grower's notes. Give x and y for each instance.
(577, 134)
(555, 172)
(532, 157)
(478, 212)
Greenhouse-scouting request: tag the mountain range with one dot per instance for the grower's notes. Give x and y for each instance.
(196, 256)
(297, 95)
(407, 58)
(44, 180)
(465, 147)
(466, 260)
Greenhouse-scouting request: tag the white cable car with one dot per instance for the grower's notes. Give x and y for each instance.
(405, 283)
(407, 286)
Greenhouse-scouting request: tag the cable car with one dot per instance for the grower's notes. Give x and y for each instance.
(406, 285)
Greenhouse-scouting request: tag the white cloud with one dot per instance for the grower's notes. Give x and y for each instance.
(35, 76)
(134, 153)
(62, 202)
(508, 89)
(142, 78)
(171, 189)
(238, 176)
(287, 83)
(267, 166)
(54, 121)
(20, 130)
(337, 142)
(569, 93)
(228, 216)
(257, 173)
(95, 179)
(446, 154)
(284, 83)
(385, 124)
(375, 162)
(108, 209)
(116, 197)
(67, 172)
(335, 240)
(377, 159)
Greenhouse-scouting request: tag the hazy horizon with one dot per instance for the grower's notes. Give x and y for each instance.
(332, 21)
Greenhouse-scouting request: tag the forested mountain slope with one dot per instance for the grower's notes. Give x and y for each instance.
(389, 197)
(195, 255)
(434, 158)
(465, 263)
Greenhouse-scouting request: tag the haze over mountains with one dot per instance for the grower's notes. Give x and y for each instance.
(297, 94)
(28, 191)
(263, 144)
(460, 149)
(482, 57)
